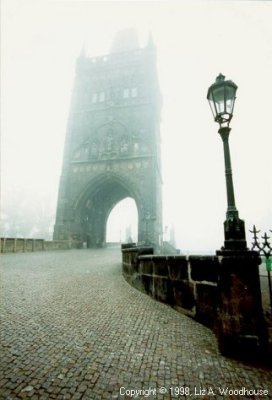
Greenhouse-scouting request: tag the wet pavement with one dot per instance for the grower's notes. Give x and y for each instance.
(73, 328)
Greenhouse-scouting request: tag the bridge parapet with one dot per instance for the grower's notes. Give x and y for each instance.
(17, 245)
(187, 283)
(220, 291)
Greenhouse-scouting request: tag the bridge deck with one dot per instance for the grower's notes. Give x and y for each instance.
(72, 328)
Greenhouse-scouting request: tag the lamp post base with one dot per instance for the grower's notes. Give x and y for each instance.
(241, 328)
(235, 237)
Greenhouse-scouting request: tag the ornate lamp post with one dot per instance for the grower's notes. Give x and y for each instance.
(240, 323)
(221, 96)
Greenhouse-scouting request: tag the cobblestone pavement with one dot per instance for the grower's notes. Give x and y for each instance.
(72, 328)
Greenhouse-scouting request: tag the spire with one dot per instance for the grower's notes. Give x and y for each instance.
(83, 52)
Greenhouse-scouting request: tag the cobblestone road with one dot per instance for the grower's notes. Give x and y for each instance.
(72, 328)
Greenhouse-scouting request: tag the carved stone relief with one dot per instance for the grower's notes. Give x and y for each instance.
(111, 143)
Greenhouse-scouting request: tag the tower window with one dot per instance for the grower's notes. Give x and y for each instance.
(126, 93)
(134, 92)
(94, 98)
(102, 96)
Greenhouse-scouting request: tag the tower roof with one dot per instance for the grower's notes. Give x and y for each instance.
(125, 40)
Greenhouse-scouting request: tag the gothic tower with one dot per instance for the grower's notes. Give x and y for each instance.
(112, 146)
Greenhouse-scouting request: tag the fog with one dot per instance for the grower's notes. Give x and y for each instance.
(195, 40)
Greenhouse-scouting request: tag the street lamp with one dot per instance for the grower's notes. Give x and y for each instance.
(221, 97)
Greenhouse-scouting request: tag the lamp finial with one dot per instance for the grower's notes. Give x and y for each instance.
(220, 78)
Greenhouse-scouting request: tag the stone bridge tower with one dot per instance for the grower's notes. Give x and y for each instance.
(112, 147)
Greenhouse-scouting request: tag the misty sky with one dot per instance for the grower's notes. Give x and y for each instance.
(195, 40)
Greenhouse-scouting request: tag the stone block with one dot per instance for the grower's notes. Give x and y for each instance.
(178, 268)
(147, 284)
(204, 268)
(20, 244)
(145, 251)
(9, 245)
(183, 294)
(128, 245)
(137, 282)
(161, 266)
(146, 267)
(29, 245)
(162, 291)
(206, 304)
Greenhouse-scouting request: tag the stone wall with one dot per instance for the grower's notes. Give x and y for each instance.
(187, 283)
(16, 245)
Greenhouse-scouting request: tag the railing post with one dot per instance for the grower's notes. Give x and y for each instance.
(265, 250)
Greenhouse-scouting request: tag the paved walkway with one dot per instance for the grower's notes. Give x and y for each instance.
(72, 328)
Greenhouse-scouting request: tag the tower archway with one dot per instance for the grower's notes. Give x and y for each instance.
(94, 204)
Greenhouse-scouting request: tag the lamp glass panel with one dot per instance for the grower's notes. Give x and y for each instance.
(229, 106)
(212, 107)
(230, 97)
(219, 99)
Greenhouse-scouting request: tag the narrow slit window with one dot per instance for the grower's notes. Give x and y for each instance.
(134, 92)
(102, 96)
(126, 93)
